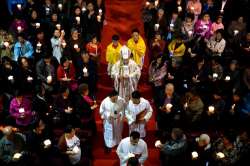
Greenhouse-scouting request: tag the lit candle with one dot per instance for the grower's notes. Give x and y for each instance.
(157, 27)
(38, 25)
(47, 143)
(186, 105)
(222, 11)
(211, 109)
(19, 6)
(156, 2)
(6, 44)
(158, 143)
(220, 155)
(147, 3)
(85, 70)
(84, 9)
(100, 11)
(205, 27)
(58, 26)
(179, 8)
(233, 106)
(192, 8)
(10, 77)
(227, 78)
(19, 28)
(76, 149)
(215, 75)
(64, 44)
(130, 155)
(169, 106)
(60, 6)
(21, 110)
(78, 19)
(29, 78)
(99, 18)
(75, 46)
(236, 32)
(171, 25)
(39, 44)
(49, 78)
(17, 155)
(190, 33)
(195, 155)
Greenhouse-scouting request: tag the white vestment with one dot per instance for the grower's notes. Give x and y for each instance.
(134, 109)
(126, 86)
(125, 147)
(112, 115)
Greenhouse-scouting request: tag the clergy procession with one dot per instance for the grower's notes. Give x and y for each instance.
(125, 82)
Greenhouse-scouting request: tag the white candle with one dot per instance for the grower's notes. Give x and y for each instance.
(222, 11)
(6, 44)
(85, 70)
(195, 155)
(227, 78)
(220, 155)
(19, 28)
(10, 77)
(49, 78)
(130, 155)
(157, 143)
(233, 106)
(215, 75)
(99, 18)
(19, 6)
(58, 26)
(38, 25)
(205, 27)
(75, 46)
(157, 27)
(211, 109)
(17, 155)
(192, 8)
(21, 110)
(171, 25)
(179, 8)
(185, 105)
(47, 142)
(60, 6)
(78, 19)
(147, 3)
(76, 149)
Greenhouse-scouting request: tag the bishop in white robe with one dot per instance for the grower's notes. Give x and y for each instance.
(132, 146)
(138, 112)
(112, 113)
(126, 74)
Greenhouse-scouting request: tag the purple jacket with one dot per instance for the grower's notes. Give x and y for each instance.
(22, 119)
(203, 29)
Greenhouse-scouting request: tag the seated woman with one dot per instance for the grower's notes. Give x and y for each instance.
(85, 107)
(66, 74)
(20, 110)
(203, 27)
(216, 44)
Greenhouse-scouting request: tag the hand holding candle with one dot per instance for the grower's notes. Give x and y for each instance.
(157, 27)
(60, 6)
(168, 107)
(47, 143)
(195, 155)
(49, 79)
(211, 109)
(38, 25)
(158, 144)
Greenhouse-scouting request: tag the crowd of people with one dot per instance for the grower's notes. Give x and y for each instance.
(199, 54)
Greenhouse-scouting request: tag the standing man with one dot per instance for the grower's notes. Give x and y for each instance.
(137, 46)
(112, 112)
(138, 112)
(113, 52)
(126, 74)
(131, 147)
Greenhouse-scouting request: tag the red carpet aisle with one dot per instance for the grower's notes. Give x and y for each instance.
(121, 17)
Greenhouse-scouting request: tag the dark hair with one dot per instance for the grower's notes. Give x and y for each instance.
(47, 55)
(63, 89)
(115, 37)
(63, 59)
(135, 30)
(83, 87)
(21, 35)
(178, 133)
(133, 161)
(136, 95)
(113, 93)
(68, 129)
(135, 135)
(230, 135)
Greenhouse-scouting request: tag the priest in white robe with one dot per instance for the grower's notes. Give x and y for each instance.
(112, 113)
(132, 146)
(126, 74)
(138, 112)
